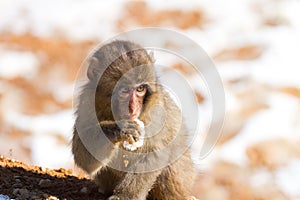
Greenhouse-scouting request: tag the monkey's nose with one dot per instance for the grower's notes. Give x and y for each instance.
(133, 104)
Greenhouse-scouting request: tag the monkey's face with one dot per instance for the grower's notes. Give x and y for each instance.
(131, 93)
(130, 100)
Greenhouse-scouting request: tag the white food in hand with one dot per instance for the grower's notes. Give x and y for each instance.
(140, 142)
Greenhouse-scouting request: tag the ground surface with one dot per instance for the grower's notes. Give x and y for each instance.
(20, 181)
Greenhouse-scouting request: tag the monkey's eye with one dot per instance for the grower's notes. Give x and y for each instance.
(141, 88)
(124, 90)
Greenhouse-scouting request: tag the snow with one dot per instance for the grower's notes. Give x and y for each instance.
(46, 149)
(18, 63)
(75, 20)
(48, 152)
(280, 64)
(169, 4)
(260, 178)
(288, 178)
(61, 122)
(278, 121)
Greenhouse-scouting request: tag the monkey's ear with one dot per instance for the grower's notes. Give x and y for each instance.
(151, 55)
(93, 68)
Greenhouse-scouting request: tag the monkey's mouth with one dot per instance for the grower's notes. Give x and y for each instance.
(129, 116)
(133, 117)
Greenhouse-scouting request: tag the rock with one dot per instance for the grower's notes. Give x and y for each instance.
(34, 197)
(16, 191)
(44, 183)
(84, 190)
(24, 193)
(17, 185)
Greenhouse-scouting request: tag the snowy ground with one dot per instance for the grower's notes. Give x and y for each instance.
(255, 46)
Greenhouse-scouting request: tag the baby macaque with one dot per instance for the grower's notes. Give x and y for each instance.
(128, 133)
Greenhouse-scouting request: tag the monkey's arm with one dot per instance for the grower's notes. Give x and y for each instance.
(96, 145)
(82, 156)
(92, 147)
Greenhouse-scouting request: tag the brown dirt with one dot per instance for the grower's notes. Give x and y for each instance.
(20, 181)
(248, 52)
(141, 14)
(55, 66)
(293, 91)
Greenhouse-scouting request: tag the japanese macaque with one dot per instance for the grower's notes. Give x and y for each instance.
(128, 133)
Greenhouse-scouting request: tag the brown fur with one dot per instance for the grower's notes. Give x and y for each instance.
(171, 182)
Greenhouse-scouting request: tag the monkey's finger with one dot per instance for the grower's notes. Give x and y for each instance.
(128, 135)
(130, 139)
(135, 134)
(131, 124)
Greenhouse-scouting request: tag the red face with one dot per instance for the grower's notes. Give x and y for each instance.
(131, 101)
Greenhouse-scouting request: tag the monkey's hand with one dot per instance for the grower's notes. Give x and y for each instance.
(130, 131)
(127, 131)
(140, 141)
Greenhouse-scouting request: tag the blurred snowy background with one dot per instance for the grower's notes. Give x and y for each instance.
(255, 45)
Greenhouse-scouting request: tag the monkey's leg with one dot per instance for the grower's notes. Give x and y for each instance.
(107, 179)
(135, 186)
(175, 181)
